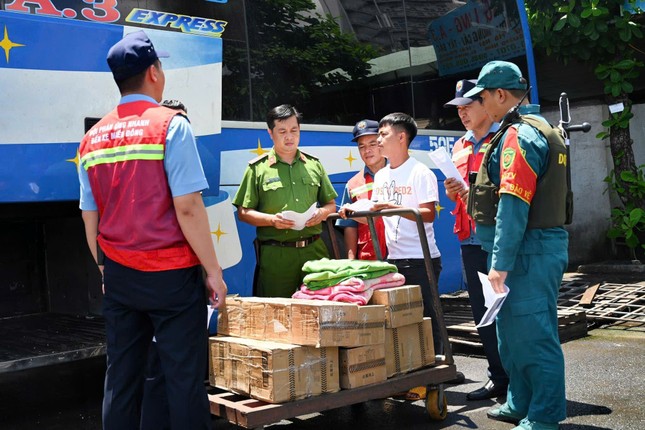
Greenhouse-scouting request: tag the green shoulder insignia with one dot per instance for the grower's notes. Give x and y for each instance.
(304, 156)
(259, 158)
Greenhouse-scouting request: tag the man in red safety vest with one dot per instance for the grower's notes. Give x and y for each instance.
(357, 237)
(141, 181)
(467, 156)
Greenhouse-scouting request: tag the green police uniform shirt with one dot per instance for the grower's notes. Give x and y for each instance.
(271, 186)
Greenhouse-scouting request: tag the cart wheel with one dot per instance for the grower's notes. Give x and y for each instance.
(436, 404)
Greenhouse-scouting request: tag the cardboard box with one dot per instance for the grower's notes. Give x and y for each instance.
(362, 366)
(323, 323)
(322, 371)
(300, 322)
(409, 347)
(230, 317)
(228, 364)
(271, 371)
(254, 318)
(403, 305)
(277, 325)
(370, 329)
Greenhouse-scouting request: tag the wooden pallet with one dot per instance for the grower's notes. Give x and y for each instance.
(572, 324)
(251, 413)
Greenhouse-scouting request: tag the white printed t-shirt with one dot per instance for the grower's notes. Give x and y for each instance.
(409, 185)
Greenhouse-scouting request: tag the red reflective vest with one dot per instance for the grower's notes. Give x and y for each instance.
(466, 162)
(123, 155)
(360, 187)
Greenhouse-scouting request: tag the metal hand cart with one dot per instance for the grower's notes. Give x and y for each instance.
(251, 413)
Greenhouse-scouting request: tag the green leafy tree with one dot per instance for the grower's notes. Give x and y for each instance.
(294, 52)
(602, 34)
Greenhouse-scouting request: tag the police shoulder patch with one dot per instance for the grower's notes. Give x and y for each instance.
(259, 158)
(304, 155)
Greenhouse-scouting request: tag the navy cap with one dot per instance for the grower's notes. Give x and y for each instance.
(364, 127)
(462, 88)
(132, 55)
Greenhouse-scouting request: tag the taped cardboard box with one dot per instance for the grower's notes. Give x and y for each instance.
(277, 320)
(266, 318)
(228, 364)
(371, 325)
(409, 347)
(301, 322)
(362, 366)
(323, 323)
(273, 372)
(230, 316)
(403, 305)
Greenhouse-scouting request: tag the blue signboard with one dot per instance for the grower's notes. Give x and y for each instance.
(472, 35)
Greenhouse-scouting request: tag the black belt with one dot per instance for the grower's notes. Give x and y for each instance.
(297, 244)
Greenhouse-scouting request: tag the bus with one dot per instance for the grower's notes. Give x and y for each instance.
(338, 61)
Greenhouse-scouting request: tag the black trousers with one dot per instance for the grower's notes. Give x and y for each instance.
(415, 273)
(474, 259)
(170, 305)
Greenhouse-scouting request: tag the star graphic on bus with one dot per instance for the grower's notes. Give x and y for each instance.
(7, 44)
(76, 160)
(259, 150)
(350, 158)
(219, 232)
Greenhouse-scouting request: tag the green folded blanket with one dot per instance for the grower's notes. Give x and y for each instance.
(325, 273)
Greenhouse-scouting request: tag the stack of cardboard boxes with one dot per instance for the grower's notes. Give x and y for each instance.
(280, 350)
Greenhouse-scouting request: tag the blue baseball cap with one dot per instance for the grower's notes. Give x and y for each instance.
(364, 127)
(462, 88)
(498, 74)
(132, 55)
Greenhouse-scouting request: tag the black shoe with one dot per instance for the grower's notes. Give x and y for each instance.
(459, 379)
(488, 391)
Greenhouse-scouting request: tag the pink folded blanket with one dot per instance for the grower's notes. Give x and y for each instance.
(386, 281)
(352, 290)
(360, 298)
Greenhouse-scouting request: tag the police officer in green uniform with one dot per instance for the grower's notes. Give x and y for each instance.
(519, 203)
(284, 179)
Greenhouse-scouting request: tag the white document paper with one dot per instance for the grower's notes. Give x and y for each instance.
(492, 300)
(442, 160)
(209, 314)
(361, 205)
(299, 218)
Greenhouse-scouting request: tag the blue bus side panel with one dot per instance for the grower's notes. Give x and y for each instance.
(341, 160)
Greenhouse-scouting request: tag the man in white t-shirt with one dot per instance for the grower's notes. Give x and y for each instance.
(407, 183)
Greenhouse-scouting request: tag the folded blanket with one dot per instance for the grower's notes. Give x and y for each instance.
(326, 272)
(351, 285)
(358, 297)
(385, 281)
(352, 290)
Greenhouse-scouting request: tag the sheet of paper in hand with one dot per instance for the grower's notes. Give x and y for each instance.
(361, 205)
(300, 218)
(492, 300)
(442, 160)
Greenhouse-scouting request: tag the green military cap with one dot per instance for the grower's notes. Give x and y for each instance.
(498, 74)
